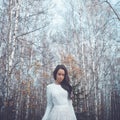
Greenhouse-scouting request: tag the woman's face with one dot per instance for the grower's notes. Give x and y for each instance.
(60, 75)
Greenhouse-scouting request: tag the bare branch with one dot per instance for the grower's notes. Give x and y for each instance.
(118, 17)
(30, 31)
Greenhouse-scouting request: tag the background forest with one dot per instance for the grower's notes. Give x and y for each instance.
(36, 35)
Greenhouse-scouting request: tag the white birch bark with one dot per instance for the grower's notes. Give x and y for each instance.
(13, 41)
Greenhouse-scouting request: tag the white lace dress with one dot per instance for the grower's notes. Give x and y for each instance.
(59, 107)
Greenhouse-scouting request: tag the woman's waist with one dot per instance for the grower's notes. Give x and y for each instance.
(61, 108)
(61, 105)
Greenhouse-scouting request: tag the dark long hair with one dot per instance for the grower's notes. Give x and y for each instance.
(65, 83)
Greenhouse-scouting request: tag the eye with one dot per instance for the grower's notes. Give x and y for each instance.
(63, 74)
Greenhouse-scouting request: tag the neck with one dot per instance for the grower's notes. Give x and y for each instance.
(56, 82)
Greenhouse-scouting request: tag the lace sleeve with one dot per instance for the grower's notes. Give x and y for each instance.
(49, 103)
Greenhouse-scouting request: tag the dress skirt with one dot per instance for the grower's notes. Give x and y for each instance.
(61, 112)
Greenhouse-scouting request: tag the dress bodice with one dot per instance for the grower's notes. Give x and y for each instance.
(58, 94)
(57, 97)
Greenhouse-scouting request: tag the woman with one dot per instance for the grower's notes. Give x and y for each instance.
(59, 103)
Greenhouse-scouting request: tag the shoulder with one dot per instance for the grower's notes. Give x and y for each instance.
(50, 88)
(50, 85)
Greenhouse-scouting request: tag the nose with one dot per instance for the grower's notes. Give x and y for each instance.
(61, 77)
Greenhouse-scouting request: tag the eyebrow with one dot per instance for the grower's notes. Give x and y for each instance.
(62, 73)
